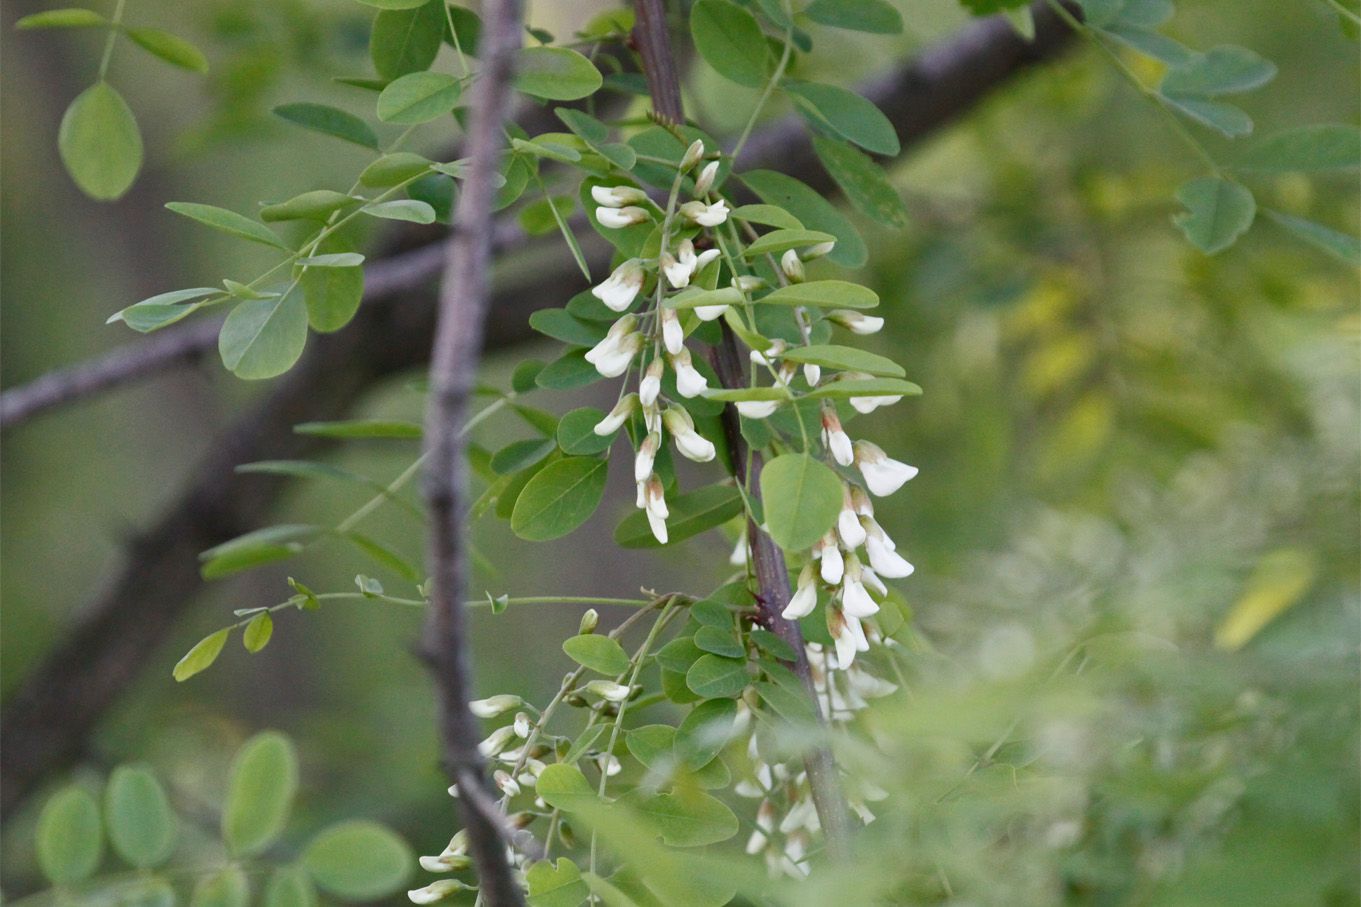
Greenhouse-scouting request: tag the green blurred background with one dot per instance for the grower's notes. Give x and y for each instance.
(1122, 444)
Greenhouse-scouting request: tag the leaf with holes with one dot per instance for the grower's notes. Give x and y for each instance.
(1218, 211)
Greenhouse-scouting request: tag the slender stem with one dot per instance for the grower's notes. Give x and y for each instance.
(463, 302)
(767, 91)
(112, 37)
(1344, 12)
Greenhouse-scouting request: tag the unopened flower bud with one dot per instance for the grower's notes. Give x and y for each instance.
(618, 218)
(647, 455)
(856, 322)
(436, 891)
(757, 409)
(673, 335)
(589, 621)
(748, 283)
(693, 155)
(617, 416)
(689, 381)
(494, 705)
(705, 215)
(705, 181)
(818, 250)
(618, 196)
(608, 690)
(836, 439)
(792, 266)
(805, 596)
(521, 725)
(650, 385)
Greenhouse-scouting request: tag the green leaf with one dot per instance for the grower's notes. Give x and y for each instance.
(264, 780)
(290, 886)
(519, 455)
(564, 787)
(258, 632)
(730, 40)
(777, 241)
(1340, 245)
(691, 513)
(1151, 43)
(146, 891)
(99, 142)
(358, 861)
(361, 428)
(559, 498)
(599, 653)
(319, 204)
(772, 645)
(560, 325)
(873, 16)
(262, 338)
(1225, 119)
(844, 358)
(394, 4)
(679, 654)
(576, 432)
(329, 121)
(1218, 71)
(227, 888)
(556, 74)
(228, 222)
(711, 612)
(1307, 148)
(418, 97)
(406, 40)
(160, 310)
(767, 215)
(568, 371)
(693, 297)
(69, 838)
(597, 134)
(332, 296)
(689, 818)
(560, 886)
(142, 826)
(802, 498)
(864, 387)
(705, 731)
(715, 677)
(332, 260)
(70, 17)
(813, 210)
(720, 641)
(836, 294)
(848, 114)
(403, 209)
(171, 48)
(201, 656)
(260, 546)
(862, 181)
(1218, 211)
(392, 169)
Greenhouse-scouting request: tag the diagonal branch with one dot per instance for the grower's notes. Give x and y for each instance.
(919, 97)
(463, 301)
(48, 718)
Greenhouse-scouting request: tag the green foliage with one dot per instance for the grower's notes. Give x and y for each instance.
(70, 840)
(802, 498)
(730, 40)
(1217, 213)
(264, 780)
(142, 827)
(599, 653)
(559, 498)
(358, 861)
(100, 143)
(556, 74)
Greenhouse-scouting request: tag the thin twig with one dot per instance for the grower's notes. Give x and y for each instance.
(464, 297)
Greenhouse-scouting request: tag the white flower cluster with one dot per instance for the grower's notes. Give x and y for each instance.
(655, 339)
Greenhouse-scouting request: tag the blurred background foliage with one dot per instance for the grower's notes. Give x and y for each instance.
(1132, 673)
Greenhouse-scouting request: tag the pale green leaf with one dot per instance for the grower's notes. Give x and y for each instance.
(802, 498)
(358, 861)
(227, 222)
(848, 114)
(556, 74)
(329, 121)
(730, 40)
(1218, 211)
(599, 653)
(263, 338)
(1307, 148)
(201, 656)
(99, 142)
(69, 838)
(406, 40)
(559, 498)
(70, 17)
(171, 48)
(142, 826)
(836, 294)
(418, 97)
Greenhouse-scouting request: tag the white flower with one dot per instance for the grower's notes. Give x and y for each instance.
(812, 374)
(770, 354)
(521, 725)
(883, 474)
(650, 385)
(647, 455)
(613, 354)
(617, 196)
(863, 505)
(436, 891)
(705, 181)
(446, 863)
(884, 560)
(792, 266)
(673, 335)
(848, 524)
(833, 565)
(856, 322)
(608, 690)
(705, 215)
(654, 504)
(805, 597)
(836, 439)
(618, 218)
(818, 251)
(709, 312)
(705, 257)
(494, 705)
(872, 580)
(691, 444)
(505, 783)
(692, 155)
(616, 417)
(678, 268)
(757, 409)
(748, 283)
(689, 382)
(496, 741)
(618, 290)
(846, 634)
(855, 600)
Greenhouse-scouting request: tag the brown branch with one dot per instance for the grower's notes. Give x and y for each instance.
(47, 719)
(772, 577)
(464, 296)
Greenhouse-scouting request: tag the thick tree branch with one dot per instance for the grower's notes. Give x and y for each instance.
(463, 301)
(46, 721)
(919, 97)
